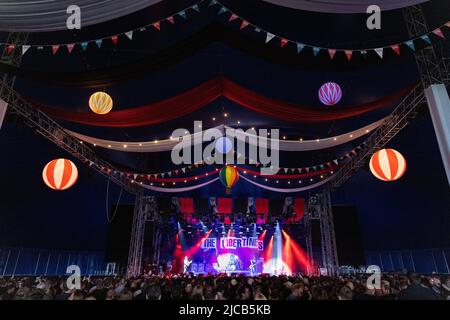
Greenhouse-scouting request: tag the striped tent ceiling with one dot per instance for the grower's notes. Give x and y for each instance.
(343, 6)
(51, 15)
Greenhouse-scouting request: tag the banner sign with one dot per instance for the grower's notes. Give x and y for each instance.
(233, 243)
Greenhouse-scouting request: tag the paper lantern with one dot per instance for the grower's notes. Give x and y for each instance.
(330, 94)
(60, 174)
(100, 103)
(387, 165)
(229, 176)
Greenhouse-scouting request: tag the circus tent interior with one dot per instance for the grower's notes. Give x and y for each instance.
(354, 120)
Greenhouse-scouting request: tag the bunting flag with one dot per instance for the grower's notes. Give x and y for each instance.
(70, 47)
(331, 51)
(396, 49)
(157, 25)
(269, 37)
(243, 24)
(379, 52)
(114, 38)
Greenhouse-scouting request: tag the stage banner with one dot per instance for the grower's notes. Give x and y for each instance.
(233, 243)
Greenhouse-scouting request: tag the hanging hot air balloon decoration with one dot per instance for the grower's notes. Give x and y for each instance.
(330, 94)
(60, 174)
(387, 165)
(229, 176)
(100, 103)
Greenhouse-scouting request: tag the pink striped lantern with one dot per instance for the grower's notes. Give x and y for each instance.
(330, 94)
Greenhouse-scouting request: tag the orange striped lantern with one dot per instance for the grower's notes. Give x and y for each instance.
(387, 165)
(101, 103)
(60, 174)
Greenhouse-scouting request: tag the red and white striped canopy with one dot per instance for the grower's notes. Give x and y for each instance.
(60, 174)
(388, 165)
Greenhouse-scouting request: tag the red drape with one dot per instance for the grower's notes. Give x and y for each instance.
(299, 209)
(262, 206)
(224, 205)
(209, 91)
(186, 205)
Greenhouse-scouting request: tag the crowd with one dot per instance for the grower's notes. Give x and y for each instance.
(185, 287)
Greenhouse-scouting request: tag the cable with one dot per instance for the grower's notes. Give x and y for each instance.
(107, 203)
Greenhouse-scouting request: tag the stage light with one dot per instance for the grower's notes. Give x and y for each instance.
(100, 103)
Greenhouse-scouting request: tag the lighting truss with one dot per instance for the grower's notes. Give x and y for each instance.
(433, 68)
(47, 127)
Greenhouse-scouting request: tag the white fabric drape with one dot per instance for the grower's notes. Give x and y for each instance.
(286, 190)
(284, 145)
(51, 15)
(343, 6)
(178, 190)
(311, 145)
(146, 146)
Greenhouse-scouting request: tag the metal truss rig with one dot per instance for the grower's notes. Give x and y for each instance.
(48, 128)
(399, 118)
(433, 68)
(319, 208)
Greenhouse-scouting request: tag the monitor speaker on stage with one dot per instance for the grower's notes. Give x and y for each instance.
(3, 108)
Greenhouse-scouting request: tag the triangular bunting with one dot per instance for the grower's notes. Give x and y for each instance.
(196, 7)
(426, 38)
(244, 24)
(84, 45)
(447, 24)
(171, 20)
(114, 39)
(70, 47)
(439, 33)
(222, 10)
(283, 42)
(233, 17)
(129, 34)
(182, 14)
(25, 49)
(269, 37)
(332, 53)
(316, 50)
(349, 54)
(99, 42)
(213, 2)
(379, 52)
(410, 44)
(396, 49)
(157, 25)
(10, 48)
(300, 47)
(55, 48)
